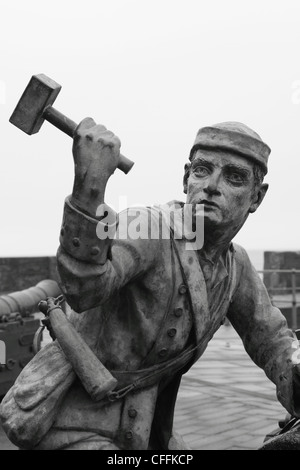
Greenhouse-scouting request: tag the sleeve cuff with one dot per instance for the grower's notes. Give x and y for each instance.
(85, 238)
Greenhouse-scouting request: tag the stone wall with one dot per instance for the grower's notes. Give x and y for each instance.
(279, 285)
(281, 260)
(21, 273)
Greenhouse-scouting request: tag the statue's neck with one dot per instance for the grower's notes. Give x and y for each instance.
(213, 251)
(216, 242)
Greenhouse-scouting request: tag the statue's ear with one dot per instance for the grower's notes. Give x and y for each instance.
(187, 168)
(259, 197)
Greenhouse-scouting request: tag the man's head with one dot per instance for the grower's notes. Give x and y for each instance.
(228, 162)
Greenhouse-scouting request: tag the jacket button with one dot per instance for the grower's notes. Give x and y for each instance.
(132, 413)
(62, 232)
(172, 332)
(182, 289)
(178, 312)
(163, 352)
(128, 435)
(76, 242)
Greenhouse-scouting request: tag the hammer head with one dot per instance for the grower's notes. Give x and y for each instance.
(40, 92)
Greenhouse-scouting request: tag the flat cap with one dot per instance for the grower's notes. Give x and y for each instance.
(234, 137)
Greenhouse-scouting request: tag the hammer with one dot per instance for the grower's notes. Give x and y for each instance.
(35, 106)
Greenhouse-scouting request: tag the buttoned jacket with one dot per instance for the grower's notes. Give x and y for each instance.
(140, 303)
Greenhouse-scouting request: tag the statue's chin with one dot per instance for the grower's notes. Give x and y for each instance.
(211, 222)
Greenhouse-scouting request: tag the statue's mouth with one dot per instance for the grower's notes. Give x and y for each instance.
(208, 203)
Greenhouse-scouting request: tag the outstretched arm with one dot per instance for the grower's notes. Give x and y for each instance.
(266, 336)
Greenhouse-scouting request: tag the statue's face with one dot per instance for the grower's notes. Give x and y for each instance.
(224, 184)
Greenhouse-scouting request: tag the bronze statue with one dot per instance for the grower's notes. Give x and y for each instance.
(146, 306)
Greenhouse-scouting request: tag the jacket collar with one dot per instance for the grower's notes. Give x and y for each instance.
(191, 268)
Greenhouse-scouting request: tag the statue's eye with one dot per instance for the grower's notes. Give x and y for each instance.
(201, 171)
(236, 178)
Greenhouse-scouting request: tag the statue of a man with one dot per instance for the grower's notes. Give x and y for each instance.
(147, 306)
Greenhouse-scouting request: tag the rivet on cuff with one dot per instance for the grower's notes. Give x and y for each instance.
(95, 251)
(76, 242)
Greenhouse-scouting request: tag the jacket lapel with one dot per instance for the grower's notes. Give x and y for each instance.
(190, 267)
(194, 279)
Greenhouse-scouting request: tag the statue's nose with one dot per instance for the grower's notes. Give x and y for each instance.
(212, 184)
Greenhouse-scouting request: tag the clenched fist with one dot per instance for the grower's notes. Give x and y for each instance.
(96, 152)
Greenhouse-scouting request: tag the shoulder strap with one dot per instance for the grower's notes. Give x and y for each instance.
(129, 381)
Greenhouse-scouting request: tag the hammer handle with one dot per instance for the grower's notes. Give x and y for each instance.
(68, 126)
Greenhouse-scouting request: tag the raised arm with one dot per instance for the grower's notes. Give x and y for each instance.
(92, 265)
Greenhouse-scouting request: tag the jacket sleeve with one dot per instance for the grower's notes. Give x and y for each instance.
(92, 267)
(265, 333)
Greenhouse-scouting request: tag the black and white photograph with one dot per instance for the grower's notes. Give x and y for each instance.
(150, 227)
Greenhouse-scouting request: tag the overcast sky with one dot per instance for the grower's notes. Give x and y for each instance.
(154, 72)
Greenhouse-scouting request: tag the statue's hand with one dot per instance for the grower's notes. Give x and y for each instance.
(96, 153)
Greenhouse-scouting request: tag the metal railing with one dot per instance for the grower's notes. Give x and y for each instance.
(282, 294)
